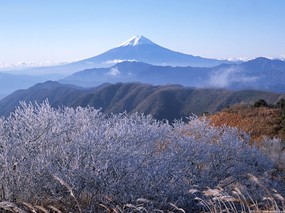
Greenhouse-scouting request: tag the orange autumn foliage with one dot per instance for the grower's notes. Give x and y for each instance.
(258, 122)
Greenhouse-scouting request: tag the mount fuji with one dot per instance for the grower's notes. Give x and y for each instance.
(138, 49)
(141, 49)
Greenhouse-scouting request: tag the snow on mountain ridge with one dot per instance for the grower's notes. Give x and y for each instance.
(136, 40)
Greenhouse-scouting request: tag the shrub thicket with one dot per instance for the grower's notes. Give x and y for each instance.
(59, 156)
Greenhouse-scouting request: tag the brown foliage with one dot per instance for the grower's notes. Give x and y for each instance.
(258, 122)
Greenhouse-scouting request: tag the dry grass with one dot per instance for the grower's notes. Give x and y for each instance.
(11, 207)
(217, 200)
(209, 200)
(63, 183)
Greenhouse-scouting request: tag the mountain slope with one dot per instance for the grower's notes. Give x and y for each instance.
(256, 121)
(163, 102)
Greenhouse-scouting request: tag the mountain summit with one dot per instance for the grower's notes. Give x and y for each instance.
(136, 40)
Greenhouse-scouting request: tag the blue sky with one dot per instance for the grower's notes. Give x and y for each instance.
(64, 30)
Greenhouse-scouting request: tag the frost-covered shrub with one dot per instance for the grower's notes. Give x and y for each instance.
(117, 159)
(275, 149)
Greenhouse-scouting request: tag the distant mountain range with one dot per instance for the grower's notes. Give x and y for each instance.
(258, 74)
(163, 102)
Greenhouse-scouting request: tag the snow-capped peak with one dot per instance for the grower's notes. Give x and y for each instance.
(136, 40)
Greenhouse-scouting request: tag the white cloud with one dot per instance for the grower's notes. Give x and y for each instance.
(115, 61)
(221, 78)
(227, 77)
(114, 71)
(240, 59)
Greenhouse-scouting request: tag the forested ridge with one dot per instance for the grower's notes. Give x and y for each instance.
(163, 102)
